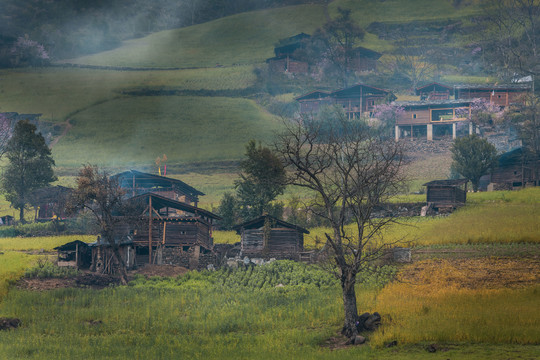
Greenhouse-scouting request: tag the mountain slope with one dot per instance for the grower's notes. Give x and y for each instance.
(245, 38)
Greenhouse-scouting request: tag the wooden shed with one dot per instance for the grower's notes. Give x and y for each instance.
(446, 193)
(285, 59)
(268, 237)
(75, 254)
(516, 169)
(6, 220)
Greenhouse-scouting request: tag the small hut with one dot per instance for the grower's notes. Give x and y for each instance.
(6, 220)
(446, 193)
(268, 237)
(75, 254)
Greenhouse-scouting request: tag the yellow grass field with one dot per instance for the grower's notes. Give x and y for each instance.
(47, 243)
(487, 300)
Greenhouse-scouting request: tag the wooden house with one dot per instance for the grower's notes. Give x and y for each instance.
(433, 118)
(516, 169)
(288, 63)
(285, 59)
(312, 102)
(50, 202)
(136, 183)
(435, 91)
(364, 59)
(359, 99)
(355, 100)
(446, 193)
(268, 237)
(501, 95)
(75, 254)
(163, 237)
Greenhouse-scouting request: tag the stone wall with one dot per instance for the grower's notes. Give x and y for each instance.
(175, 256)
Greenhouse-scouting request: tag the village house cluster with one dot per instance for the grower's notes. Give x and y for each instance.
(172, 230)
(440, 111)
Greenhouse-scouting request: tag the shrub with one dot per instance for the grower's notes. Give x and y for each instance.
(45, 269)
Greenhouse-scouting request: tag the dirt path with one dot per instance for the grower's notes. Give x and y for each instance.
(68, 127)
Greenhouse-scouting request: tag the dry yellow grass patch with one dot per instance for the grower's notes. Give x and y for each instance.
(482, 273)
(487, 300)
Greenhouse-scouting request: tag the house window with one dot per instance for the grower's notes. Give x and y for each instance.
(414, 116)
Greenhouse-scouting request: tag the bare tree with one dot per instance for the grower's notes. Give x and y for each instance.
(331, 47)
(350, 171)
(412, 62)
(511, 38)
(102, 196)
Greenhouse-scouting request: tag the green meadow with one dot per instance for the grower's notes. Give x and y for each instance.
(292, 310)
(283, 310)
(501, 217)
(186, 129)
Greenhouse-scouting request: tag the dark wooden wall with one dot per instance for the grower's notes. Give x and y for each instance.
(282, 241)
(445, 195)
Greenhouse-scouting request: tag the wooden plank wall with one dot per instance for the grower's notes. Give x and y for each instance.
(176, 234)
(446, 195)
(281, 241)
(252, 241)
(422, 117)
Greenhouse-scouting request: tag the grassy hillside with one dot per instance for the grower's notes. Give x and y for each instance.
(110, 126)
(366, 11)
(239, 39)
(59, 93)
(186, 129)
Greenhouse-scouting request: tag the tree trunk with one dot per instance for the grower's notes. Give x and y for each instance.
(121, 265)
(21, 215)
(349, 305)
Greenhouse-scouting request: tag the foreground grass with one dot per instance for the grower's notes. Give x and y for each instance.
(12, 266)
(242, 315)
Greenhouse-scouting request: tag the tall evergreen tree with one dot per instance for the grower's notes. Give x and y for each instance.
(261, 181)
(472, 157)
(30, 165)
